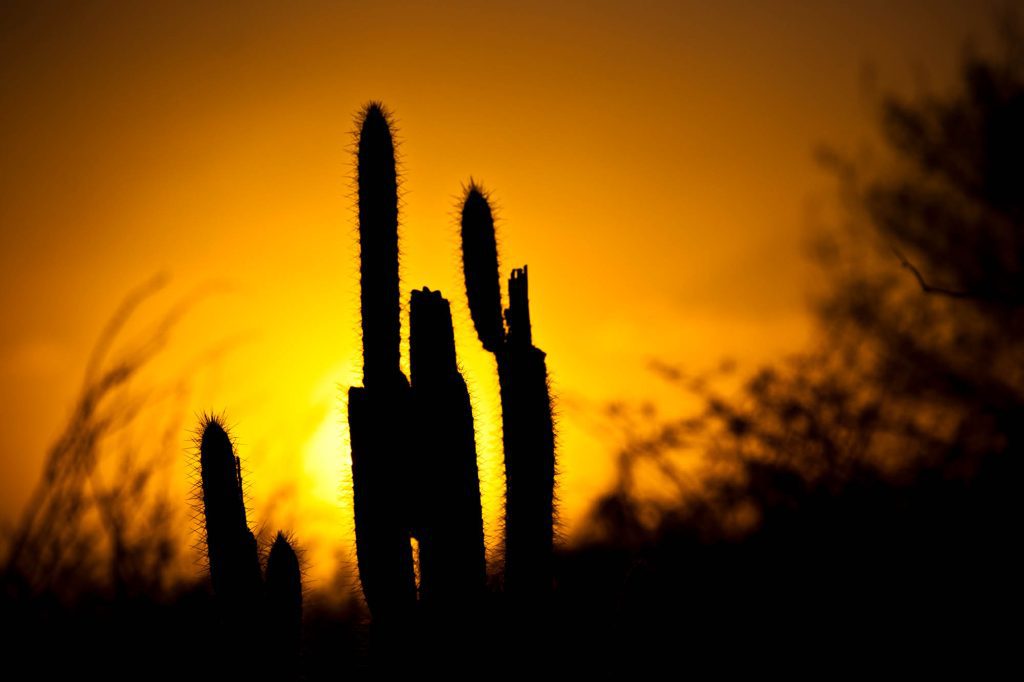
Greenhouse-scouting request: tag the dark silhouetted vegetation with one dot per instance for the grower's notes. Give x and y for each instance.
(284, 610)
(449, 520)
(261, 622)
(413, 449)
(855, 505)
(527, 425)
(850, 507)
(92, 576)
(378, 413)
(234, 557)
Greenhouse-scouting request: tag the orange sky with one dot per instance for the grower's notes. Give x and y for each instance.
(651, 161)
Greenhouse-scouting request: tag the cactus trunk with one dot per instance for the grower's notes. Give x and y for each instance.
(378, 412)
(234, 559)
(284, 610)
(378, 248)
(233, 554)
(261, 621)
(383, 549)
(527, 424)
(528, 440)
(449, 519)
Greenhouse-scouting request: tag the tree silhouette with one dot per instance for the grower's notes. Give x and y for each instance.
(949, 210)
(860, 494)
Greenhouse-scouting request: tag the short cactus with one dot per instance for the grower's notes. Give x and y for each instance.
(284, 607)
(255, 614)
(234, 558)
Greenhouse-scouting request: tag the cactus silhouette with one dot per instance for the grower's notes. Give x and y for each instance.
(527, 424)
(480, 267)
(448, 520)
(284, 608)
(256, 615)
(378, 247)
(378, 411)
(414, 468)
(233, 553)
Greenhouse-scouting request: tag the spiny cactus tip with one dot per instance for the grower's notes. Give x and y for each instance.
(375, 114)
(281, 540)
(476, 197)
(480, 267)
(214, 439)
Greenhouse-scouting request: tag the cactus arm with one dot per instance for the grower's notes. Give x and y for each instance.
(480, 267)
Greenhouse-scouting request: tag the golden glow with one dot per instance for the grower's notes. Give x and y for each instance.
(651, 163)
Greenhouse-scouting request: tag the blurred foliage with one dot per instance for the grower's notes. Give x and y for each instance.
(100, 518)
(920, 362)
(93, 574)
(870, 481)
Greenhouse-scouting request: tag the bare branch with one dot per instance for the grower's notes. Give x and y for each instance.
(983, 296)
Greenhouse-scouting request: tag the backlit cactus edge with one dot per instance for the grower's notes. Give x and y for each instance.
(263, 617)
(414, 463)
(420, 480)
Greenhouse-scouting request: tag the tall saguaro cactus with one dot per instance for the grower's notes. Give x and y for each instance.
(527, 424)
(378, 411)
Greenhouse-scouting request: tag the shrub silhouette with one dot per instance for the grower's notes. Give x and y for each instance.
(858, 502)
(527, 425)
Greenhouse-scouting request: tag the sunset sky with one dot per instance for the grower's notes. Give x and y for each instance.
(652, 162)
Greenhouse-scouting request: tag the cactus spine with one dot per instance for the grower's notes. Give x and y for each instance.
(378, 411)
(527, 424)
